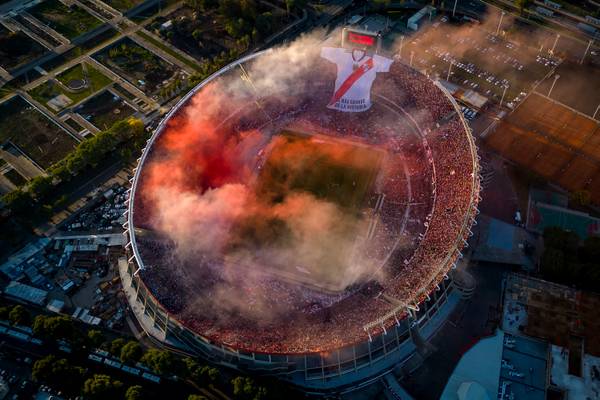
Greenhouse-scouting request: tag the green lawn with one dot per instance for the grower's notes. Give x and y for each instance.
(48, 90)
(68, 21)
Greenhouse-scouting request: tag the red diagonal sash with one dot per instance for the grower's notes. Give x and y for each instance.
(350, 80)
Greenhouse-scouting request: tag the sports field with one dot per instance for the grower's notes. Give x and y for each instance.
(554, 141)
(331, 170)
(334, 170)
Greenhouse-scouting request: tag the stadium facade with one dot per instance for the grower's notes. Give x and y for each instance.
(385, 346)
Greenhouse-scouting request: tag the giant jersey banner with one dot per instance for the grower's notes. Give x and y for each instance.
(356, 72)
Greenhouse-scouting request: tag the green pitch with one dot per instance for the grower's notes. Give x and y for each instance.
(335, 170)
(332, 170)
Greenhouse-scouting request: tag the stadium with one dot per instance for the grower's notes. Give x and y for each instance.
(276, 228)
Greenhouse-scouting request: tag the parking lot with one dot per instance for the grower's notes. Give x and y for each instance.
(475, 58)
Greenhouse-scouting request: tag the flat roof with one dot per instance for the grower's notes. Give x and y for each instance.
(529, 358)
(26, 292)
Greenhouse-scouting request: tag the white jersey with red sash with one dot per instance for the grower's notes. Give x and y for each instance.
(356, 72)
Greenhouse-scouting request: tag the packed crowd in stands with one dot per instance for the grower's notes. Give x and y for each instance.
(430, 189)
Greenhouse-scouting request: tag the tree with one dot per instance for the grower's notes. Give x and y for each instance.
(135, 392)
(558, 238)
(196, 397)
(38, 325)
(200, 374)
(116, 346)
(4, 311)
(95, 337)
(581, 197)
(591, 250)
(40, 186)
(160, 361)
(522, 4)
(291, 5)
(131, 352)
(264, 23)
(19, 315)
(246, 388)
(18, 201)
(58, 371)
(101, 387)
(59, 327)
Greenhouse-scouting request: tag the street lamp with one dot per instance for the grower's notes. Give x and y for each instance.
(500, 22)
(401, 44)
(449, 69)
(596, 112)
(553, 83)
(586, 50)
(503, 94)
(555, 42)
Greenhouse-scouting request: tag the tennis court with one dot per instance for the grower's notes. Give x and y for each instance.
(554, 141)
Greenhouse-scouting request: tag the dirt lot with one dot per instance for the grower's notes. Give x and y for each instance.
(33, 133)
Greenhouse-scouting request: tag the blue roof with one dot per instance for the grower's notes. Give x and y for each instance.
(480, 364)
(501, 235)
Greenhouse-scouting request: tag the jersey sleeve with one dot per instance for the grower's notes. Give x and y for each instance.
(331, 54)
(382, 64)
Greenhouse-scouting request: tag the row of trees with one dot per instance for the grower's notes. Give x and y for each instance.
(76, 380)
(73, 380)
(243, 18)
(124, 138)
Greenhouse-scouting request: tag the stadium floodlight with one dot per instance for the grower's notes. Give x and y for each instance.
(555, 43)
(503, 94)
(500, 22)
(401, 44)
(556, 76)
(596, 112)
(586, 51)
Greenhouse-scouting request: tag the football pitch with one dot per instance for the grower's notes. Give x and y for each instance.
(331, 169)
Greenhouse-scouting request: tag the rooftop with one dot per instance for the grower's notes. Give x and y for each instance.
(551, 311)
